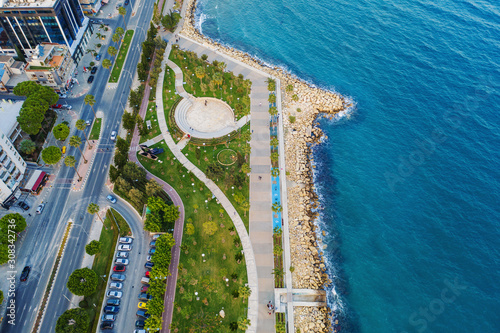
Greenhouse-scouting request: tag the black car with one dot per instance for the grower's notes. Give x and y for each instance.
(145, 297)
(149, 265)
(139, 324)
(94, 70)
(107, 325)
(126, 2)
(113, 301)
(23, 205)
(111, 309)
(143, 313)
(91, 79)
(25, 273)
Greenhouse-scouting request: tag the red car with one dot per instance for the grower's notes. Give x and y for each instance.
(147, 274)
(119, 268)
(57, 106)
(144, 289)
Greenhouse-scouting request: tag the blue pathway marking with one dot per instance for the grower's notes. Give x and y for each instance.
(276, 199)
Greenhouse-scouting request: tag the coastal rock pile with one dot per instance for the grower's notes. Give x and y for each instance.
(312, 320)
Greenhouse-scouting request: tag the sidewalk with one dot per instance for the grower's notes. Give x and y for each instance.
(84, 168)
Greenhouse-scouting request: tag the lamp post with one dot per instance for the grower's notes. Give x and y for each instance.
(227, 282)
(203, 256)
(193, 187)
(232, 189)
(206, 204)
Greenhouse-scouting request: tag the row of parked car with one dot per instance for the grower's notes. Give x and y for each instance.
(144, 297)
(114, 293)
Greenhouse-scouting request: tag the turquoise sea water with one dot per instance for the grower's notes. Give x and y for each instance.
(409, 182)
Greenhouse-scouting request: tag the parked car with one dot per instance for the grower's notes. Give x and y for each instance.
(155, 237)
(113, 301)
(142, 305)
(57, 106)
(152, 251)
(67, 106)
(149, 265)
(126, 240)
(145, 280)
(40, 208)
(63, 96)
(111, 198)
(147, 274)
(114, 294)
(94, 70)
(139, 331)
(118, 277)
(126, 2)
(23, 205)
(116, 285)
(111, 309)
(144, 289)
(122, 255)
(124, 247)
(119, 268)
(107, 325)
(121, 261)
(139, 324)
(145, 297)
(143, 313)
(113, 136)
(98, 57)
(90, 79)
(108, 317)
(152, 244)
(148, 258)
(25, 273)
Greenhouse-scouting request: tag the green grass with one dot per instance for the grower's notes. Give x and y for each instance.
(195, 275)
(120, 58)
(169, 100)
(155, 128)
(96, 129)
(233, 90)
(102, 265)
(123, 226)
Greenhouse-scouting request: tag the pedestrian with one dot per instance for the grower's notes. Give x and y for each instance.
(260, 177)
(29, 214)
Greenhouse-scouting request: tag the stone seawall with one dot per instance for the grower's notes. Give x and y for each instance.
(300, 107)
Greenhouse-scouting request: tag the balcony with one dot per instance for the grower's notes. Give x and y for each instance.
(3, 157)
(11, 167)
(4, 176)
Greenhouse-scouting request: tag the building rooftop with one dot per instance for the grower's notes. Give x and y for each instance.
(9, 110)
(4, 58)
(2, 70)
(27, 3)
(18, 64)
(15, 79)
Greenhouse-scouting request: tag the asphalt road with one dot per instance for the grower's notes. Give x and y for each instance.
(41, 242)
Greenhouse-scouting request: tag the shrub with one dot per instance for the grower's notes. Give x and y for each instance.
(82, 282)
(93, 247)
(61, 131)
(292, 119)
(74, 321)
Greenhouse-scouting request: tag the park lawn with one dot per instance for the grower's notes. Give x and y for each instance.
(234, 90)
(170, 97)
(206, 278)
(155, 127)
(120, 58)
(208, 155)
(102, 265)
(96, 129)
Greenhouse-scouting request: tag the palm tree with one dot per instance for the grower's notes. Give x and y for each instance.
(199, 72)
(81, 125)
(75, 141)
(276, 207)
(221, 66)
(120, 31)
(246, 150)
(275, 172)
(99, 35)
(278, 273)
(289, 88)
(271, 84)
(27, 146)
(274, 142)
(122, 11)
(246, 206)
(106, 63)
(90, 100)
(112, 51)
(273, 110)
(244, 292)
(245, 168)
(93, 209)
(115, 38)
(70, 161)
(218, 78)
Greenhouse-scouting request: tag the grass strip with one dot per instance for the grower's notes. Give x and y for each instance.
(151, 115)
(120, 58)
(51, 279)
(123, 226)
(96, 129)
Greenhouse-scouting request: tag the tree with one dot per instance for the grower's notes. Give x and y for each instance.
(112, 50)
(134, 173)
(30, 120)
(128, 120)
(90, 100)
(209, 228)
(120, 31)
(277, 250)
(273, 110)
(245, 168)
(152, 188)
(246, 206)
(51, 155)
(170, 21)
(244, 292)
(82, 282)
(239, 198)
(106, 63)
(221, 66)
(289, 88)
(70, 161)
(278, 273)
(199, 72)
(61, 131)
(271, 84)
(204, 57)
(189, 229)
(93, 247)
(272, 98)
(195, 207)
(73, 321)
(276, 207)
(27, 146)
(153, 323)
(1, 297)
(92, 209)
(275, 172)
(122, 11)
(275, 142)
(81, 125)
(218, 78)
(243, 323)
(136, 196)
(275, 156)
(122, 145)
(161, 217)
(26, 88)
(75, 141)
(19, 224)
(295, 97)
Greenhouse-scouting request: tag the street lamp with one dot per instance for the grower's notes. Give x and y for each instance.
(206, 203)
(227, 282)
(193, 187)
(203, 256)
(232, 188)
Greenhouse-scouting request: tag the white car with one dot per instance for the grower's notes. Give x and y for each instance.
(148, 258)
(121, 261)
(63, 96)
(114, 294)
(67, 106)
(124, 247)
(155, 237)
(88, 122)
(113, 136)
(40, 208)
(122, 255)
(116, 285)
(126, 240)
(108, 317)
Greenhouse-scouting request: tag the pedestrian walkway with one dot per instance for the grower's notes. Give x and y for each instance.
(83, 168)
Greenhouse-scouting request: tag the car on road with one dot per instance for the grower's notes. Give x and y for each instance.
(40, 208)
(111, 309)
(119, 268)
(25, 273)
(142, 305)
(145, 297)
(63, 96)
(149, 265)
(114, 294)
(122, 255)
(98, 57)
(67, 106)
(152, 251)
(90, 79)
(121, 261)
(126, 240)
(143, 313)
(94, 70)
(116, 285)
(113, 136)
(126, 2)
(124, 247)
(152, 244)
(144, 289)
(118, 277)
(107, 325)
(108, 317)
(23, 205)
(140, 324)
(111, 198)
(88, 122)
(113, 301)
(57, 106)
